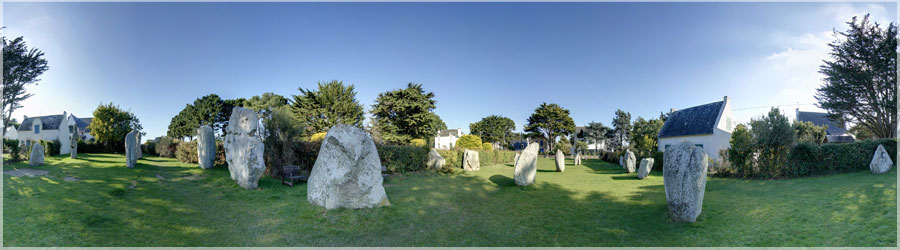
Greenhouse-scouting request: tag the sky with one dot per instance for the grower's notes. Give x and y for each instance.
(478, 58)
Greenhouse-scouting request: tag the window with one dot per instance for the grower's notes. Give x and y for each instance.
(71, 129)
(37, 129)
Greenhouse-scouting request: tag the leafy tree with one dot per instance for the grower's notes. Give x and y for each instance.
(417, 142)
(494, 128)
(469, 142)
(621, 128)
(405, 114)
(13, 122)
(111, 124)
(644, 134)
(209, 110)
(773, 137)
(564, 145)
(861, 79)
(809, 132)
(860, 132)
(550, 121)
(741, 152)
(265, 102)
(282, 132)
(581, 147)
(595, 132)
(487, 146)
(21, 66)
(184, 124)
(227, 107)
(332, 103)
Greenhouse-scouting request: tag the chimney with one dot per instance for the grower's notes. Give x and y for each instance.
(64, 114)
(671, 110)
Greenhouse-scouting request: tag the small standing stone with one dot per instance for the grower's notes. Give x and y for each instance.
(560, 161)
(435, 161)
(684, 177)
(578, 159)
(130, 154)
(526, 165)
(73, 148)
(622, 161)
(630, 161)
(646, 166)
(37, 155)
(206, 147)
(881, 161)
(470, 160)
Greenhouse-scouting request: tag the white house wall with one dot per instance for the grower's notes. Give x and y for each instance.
(712, 143)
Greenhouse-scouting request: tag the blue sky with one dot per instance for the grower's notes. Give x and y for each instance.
(478, 58)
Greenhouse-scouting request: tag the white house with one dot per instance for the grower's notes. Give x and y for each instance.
(11, 133)
(54, 128)
(593, 147)
(708, 126)
(446, 139)
(834, 133)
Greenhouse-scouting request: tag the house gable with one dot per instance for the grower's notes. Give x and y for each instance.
(697, 120)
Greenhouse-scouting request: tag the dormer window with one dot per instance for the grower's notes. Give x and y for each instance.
(37, 129)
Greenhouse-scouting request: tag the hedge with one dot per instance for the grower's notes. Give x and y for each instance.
(187, 152)
(808, 159)
(402, 159)
(454, 158)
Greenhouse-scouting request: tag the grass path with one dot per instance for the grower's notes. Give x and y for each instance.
(593, 205)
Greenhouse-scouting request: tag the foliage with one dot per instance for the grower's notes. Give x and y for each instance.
(184, 124)
(417, 142)
(402, 159)
(487, 146)
(166, 146)
(318, 137)
(21, 66)
(860, 80)
(494, 128)
(595, 132)
(621, 129)
(92, 147)
(111, 124)
(469, 142)
(581, 147)
(187, 152)
(741, 152)
(860, 132)
(405, 114)
(266, 102)
(550, 121)
(658, 160)
(809, 159)
(14, 149)
(644, 134)
(773, 137)
(563, 145)
(332, 103)
(208, 110)
(51, 148)
(282, 132)
(149, 147)
(807, 132)
(453, 158)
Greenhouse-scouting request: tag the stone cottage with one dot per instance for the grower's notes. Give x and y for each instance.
(708, 126)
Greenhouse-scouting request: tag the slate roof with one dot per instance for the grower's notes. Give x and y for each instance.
(821, 119)
(839, 138)
(49, 122)
(83, 123)
(698, 120)
(449, 132)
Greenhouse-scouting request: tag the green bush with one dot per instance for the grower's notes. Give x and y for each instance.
(12, 146)
(149, 147)
(469, 142)
(454, 157)
(51, 148)
(808, 159)
(166, 146)
(612, 157)
(417, 142)
(740, 154)
(91, 147)
(282, 137)
(487, 146)
(186, 152)
(402, 159)
(658, 158)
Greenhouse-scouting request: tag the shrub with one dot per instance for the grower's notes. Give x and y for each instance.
(417, 142)
(773, 137)
(454, 157)
(12, 146)
(809, 132)
(611, 156)
(808, 159)
(149, 147)
(564, 145)
(402, 159)
(658, 160)
(166, 146)
(581, 147)
(487, 146)
(187, 152)
(282, 135)
(740, 154)
(51, 148)
(91, 147)
(220, 153)
(469, 142)
(318, 136)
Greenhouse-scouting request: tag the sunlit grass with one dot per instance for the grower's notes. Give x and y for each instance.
(593, 205)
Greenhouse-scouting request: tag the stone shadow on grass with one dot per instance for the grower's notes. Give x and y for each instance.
(502, 180)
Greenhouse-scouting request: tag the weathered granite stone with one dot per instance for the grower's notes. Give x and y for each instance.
(526, 165)
(36, 157)
(646, 166)
(560, 161)
(435, 161)
(622, 161)
(137, 146)
(516, 159)
(244, 148)
(347, 172)
(630, 161)
(471, 161)
(881, 161)
(206, 147)
(130, 145)
(73, 146)
(577, 159)
(684, 177)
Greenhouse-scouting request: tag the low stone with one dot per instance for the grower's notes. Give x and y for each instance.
(347, 172)
(881, 161)
(630, 161)
(526, 165)
(684, 177)
(435, 161)
(560, 161)
(471, 161)
(646, 166)
(130, 145)
(206, 147)
(37, 155)
(577, 159)
(244, 148)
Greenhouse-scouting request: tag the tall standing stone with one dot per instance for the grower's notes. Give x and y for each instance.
(516, 159)
(137, 146)
(560, 161)
(526, 165)
(881, 161)
(471, 161)
(130, 154)
(36, 158)
(577, 158)
(684, 177)
(622, 161)
(630, 161)
(347, 172)
(206, 147)
(73, 145)
(646, 166)
(244, 148)
(435, 160)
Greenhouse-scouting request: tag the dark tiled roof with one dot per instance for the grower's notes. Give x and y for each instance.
(49, 122)
(698, 120)
(83, 123)
(821, 119)
(448, 132)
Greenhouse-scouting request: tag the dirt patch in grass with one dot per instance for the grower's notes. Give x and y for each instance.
(26, 172)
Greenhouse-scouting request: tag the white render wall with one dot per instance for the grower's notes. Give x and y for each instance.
(712, 143)
(50, 135)
(445, 142)
(11, 133)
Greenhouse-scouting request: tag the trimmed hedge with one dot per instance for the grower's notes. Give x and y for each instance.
(808, 159)
(454, 158)
(402, 159)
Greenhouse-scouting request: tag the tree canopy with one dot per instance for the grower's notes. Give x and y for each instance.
(644, 134)
(550, 121)
(111, 124)
(405, 114)
(21, 66)
(332, 103)
(208, 110)
(266, 102)
(494, 129)
(595, 132)
(621, 128)
(861, 77)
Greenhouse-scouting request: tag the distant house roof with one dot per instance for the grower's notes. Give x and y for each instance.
(454, 132)
(698, 120)
(83, 123)
(839, 138)
(821, 119)
(49, 122)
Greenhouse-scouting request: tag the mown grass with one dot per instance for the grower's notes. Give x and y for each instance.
(593, 205)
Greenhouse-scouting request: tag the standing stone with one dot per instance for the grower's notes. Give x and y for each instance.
(622, 161)
(516, 159)
(560, 161)
(684, 177)
(881, 162)
(435, 161)
(206, 147)
(73, 145)
(36, 158)
(137, 146)
(630, 161)
(347, 172)
(578, 159)
(244, 148)
(470, 160)
(130, 154)
(646, 166)
(526, 165)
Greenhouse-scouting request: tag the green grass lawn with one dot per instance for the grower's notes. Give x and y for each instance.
(593, 205)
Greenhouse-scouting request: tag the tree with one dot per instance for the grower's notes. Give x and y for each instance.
(773, 137)
(494, 129)
(111, 124)
(405, 114)
(227, 107)
(861, 79)
(332, 103)
(595, 132)
(860, 132)
(184, 124)
(469, 142)
(550, 121)
(741, 152)
(21, 66)
(266, 102)
(209, 111)
(621, 128)
(13, 122)
(282, 132)
(644, 134)
(808, 132)
(564, 145)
